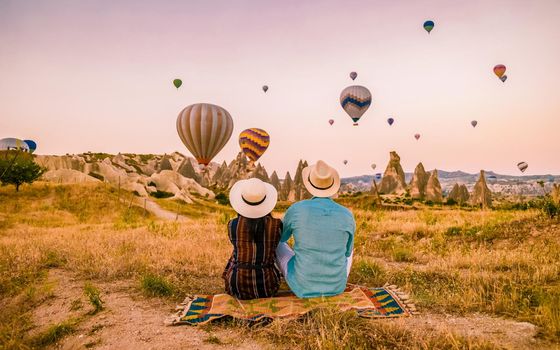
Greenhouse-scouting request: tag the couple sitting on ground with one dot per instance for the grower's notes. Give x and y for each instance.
(323, 232)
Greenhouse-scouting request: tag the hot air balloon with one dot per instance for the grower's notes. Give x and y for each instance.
(373, 166)
(428, 26)
(492, 178)
(254, 142)
(503, 78)
(474, 123)
(417, 136)
(390, 121)
(177, 83)
(499, 70)
(353, 75)
(378, 176)
(345, 162)
(13, 144)
(331, 121)
(31, 144)
(204, 129)
(355, 100)
(265, 88)
(522, 166)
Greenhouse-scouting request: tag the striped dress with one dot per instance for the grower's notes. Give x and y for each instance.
(251, 272)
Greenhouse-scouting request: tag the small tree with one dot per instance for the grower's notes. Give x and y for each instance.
(17, 168)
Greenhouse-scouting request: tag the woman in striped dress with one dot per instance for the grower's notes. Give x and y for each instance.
(251, 271)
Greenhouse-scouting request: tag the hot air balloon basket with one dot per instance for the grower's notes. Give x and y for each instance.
(384, 302)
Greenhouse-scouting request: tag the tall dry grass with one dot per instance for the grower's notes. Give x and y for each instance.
(454, 261)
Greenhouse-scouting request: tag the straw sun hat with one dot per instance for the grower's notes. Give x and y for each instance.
(253, 198)
(321, 180)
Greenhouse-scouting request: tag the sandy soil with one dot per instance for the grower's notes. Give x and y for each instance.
(131, 321)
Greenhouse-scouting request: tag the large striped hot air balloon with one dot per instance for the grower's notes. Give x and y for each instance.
(355, 100)
(254, 142)
(204, 129)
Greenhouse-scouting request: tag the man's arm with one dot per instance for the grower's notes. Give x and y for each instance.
(287, 227)
(350, 243)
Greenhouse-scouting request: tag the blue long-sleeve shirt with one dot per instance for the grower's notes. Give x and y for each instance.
(323, 233)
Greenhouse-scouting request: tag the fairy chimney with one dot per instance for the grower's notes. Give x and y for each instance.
(481, 194)
(393, 178)
(433, 188)
(459, 194)
(419, 182)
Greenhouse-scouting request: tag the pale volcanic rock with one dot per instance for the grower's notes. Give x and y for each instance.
(459, 194)
(173, 182)
(68, 176)
(393, 179)
(433, 188)
(419, 182)
(481, 195)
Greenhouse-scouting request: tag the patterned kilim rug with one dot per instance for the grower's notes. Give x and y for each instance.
(381, 302)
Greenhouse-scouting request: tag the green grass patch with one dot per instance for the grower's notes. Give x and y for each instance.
(94, 296)
(156, 286)
(54, 333)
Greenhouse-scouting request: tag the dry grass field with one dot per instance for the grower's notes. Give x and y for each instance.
(81, 269)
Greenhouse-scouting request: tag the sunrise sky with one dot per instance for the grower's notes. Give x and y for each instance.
(81, 76)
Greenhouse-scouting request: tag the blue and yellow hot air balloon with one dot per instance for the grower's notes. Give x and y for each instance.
(355, 100)
(31, 144)
(254, 142)
(428, 26)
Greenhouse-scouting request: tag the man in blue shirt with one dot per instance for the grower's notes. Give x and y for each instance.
(323, 233)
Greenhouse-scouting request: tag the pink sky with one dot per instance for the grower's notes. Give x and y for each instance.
(96, 76)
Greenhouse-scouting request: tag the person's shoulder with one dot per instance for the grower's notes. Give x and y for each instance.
(343, 209)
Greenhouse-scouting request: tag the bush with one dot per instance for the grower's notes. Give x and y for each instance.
(161, 194)
(222, 198)
(94, 296)
(97, 176)
(156, 286)
(17, 168)
(550, 209)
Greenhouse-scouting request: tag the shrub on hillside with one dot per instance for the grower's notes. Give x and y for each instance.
(17, 168)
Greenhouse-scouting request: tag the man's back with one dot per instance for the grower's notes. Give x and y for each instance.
(324, 235)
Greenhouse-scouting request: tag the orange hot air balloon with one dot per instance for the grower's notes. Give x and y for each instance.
(254, 142)
(204, 129)
(499, 70)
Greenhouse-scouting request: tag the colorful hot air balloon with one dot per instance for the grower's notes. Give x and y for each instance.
(31, 144)
(353, 75)
(378, 176)
(13, 144)
(417, 136)
(345, 162)
(474, 123)
(428, 26)
(522, 166)
(499, 70)
(254, 142)
(390, 121)
(177, 83)
(265, 88)
(355, 100)
(373, 166)
(331, 121)
(503, 78)
(204, 129)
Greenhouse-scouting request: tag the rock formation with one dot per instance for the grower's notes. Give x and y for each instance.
(68, 176)
(433, 188)
(287, 188)
(187, 170)
(182, 188)
(274, 181)
(419, 182)
(300, 192)
(481, 195)
(165, 164)
(393, 178)
(459, 194)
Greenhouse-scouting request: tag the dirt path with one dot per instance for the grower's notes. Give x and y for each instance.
(128, 321)
(131, 321)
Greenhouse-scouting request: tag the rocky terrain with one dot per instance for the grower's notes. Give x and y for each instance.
(180, 177)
